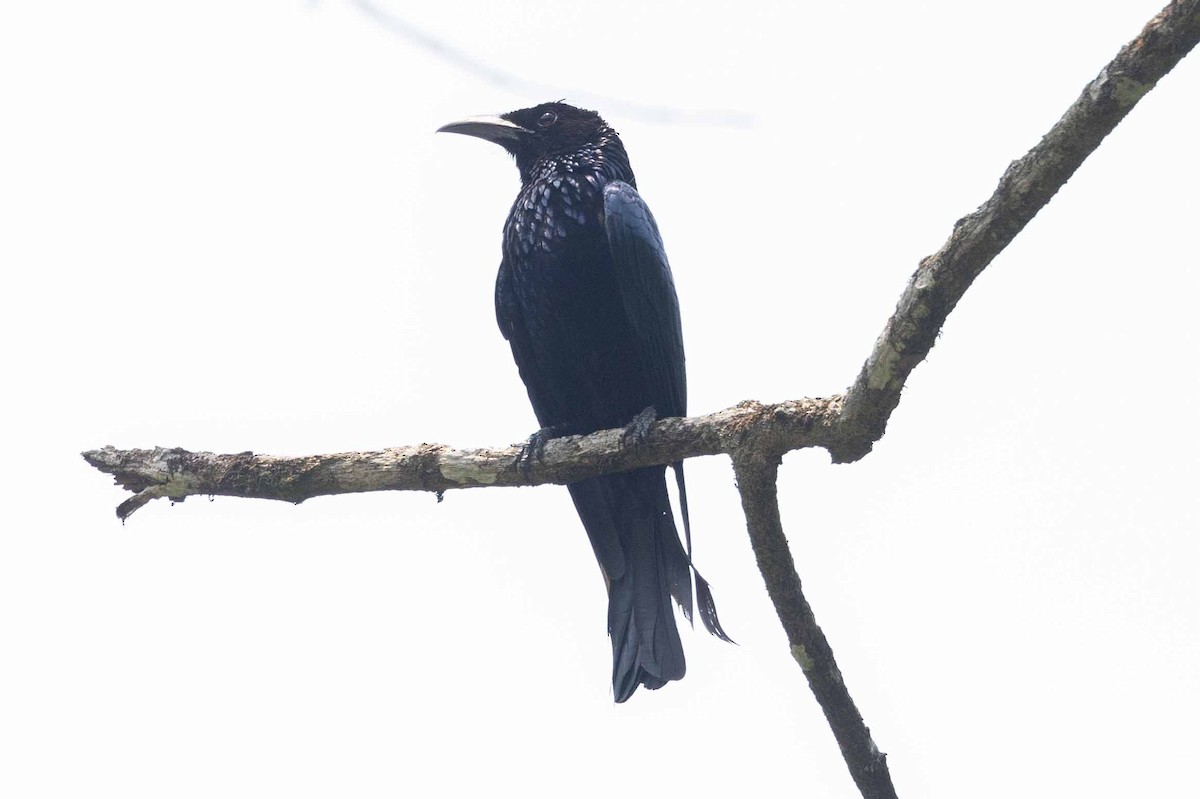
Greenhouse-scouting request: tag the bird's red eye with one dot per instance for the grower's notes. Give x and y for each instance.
(547, 119)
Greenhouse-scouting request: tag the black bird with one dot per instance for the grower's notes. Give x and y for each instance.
(586, 299)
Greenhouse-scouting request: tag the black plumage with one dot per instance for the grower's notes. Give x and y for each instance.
(586, 300)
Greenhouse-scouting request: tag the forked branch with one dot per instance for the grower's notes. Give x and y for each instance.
(754, 435)
(847, 427)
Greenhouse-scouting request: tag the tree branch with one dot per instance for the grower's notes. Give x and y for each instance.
(847, 427)
(756, 479)
(1028, 184)
(754, 435)
(178, 473)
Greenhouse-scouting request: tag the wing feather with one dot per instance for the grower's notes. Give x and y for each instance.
(647, 292)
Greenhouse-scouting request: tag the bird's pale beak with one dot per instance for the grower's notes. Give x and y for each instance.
(492, 128)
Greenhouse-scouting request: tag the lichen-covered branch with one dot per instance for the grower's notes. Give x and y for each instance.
(178, 473)
(1028, 184)
(756, 478)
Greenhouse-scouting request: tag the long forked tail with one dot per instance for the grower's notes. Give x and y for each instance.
(704, 597)
(629, 521)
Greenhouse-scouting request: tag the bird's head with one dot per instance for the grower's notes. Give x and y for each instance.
(546, 131)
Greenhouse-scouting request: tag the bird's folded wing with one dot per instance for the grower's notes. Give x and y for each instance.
(647, 292)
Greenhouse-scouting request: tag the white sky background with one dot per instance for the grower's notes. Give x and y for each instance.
(229, 226)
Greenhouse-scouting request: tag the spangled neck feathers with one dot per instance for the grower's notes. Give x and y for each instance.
(605, 159)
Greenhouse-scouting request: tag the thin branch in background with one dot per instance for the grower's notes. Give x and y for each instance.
(465, 62)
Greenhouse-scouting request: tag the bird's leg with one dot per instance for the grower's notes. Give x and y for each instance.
(638, 429)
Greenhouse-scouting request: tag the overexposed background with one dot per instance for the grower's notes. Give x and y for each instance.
(230, 226)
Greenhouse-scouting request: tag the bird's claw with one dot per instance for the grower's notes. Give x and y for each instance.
(534, 449)
(638, 429)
